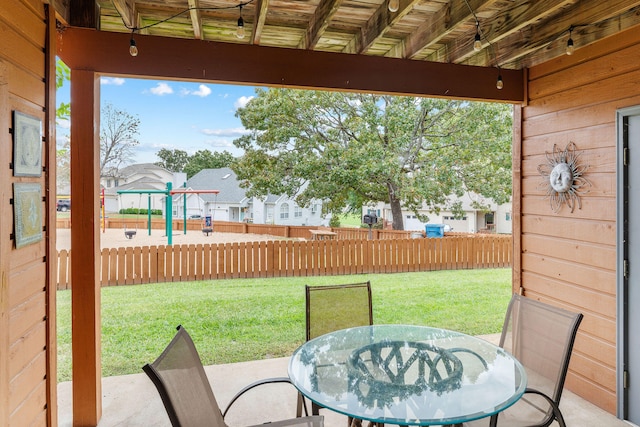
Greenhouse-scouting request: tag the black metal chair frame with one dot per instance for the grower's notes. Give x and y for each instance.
(158, 381)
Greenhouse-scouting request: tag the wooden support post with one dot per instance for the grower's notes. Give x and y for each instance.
(50, 218)
(85, 243)
(6, 212)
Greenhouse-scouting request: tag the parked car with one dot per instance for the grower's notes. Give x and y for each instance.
(63, 205)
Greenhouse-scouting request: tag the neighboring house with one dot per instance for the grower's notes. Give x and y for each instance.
(141, 176)
(232, 204)
(498, 219)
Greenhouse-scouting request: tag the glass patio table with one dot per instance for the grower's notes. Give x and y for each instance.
(407, 375)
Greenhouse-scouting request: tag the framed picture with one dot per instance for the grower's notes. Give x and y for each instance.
(27, 145)
(27, 213)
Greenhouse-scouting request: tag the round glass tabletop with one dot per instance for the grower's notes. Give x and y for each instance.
(407, 375)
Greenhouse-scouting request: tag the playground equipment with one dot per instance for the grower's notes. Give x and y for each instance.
(169, 192)
(130, 234)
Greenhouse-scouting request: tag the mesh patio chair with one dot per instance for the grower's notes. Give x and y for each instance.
(183, 385)
(333, 307)
(541, 337)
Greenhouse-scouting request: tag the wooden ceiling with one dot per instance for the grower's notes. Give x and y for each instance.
(515, 34)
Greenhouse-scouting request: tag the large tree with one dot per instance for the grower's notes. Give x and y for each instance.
(173, 160)
(205, 159)
(353, 149)
(118, 137)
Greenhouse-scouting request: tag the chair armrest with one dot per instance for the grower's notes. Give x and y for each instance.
(556, 410)
(258, 383)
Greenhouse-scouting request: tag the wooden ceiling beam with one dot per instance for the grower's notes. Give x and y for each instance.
(196, 19)
(447, 19)
(582, 36)
(84, 13)
(320, 21)
(379, 23)
(126, 9)
(259, 20)
(506, 23)
(214, 62)
(540, 35)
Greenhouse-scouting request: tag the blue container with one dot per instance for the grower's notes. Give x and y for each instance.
(435, 230)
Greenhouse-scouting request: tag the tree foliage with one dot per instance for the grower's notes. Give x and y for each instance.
(179, 161)
(63, 112)
(354, 149)
(172, 160)
(205, 159)
(118, 137)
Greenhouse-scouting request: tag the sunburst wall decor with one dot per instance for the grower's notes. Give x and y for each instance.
(562, 177)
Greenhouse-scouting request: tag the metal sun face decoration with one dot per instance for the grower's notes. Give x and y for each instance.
(562, 178)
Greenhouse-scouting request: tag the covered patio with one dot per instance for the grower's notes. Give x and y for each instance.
(132, 400)
(569, 68)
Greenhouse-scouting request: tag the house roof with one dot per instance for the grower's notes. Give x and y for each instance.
(224, 180)
(148, 169)
(144, 183)
(514, 34)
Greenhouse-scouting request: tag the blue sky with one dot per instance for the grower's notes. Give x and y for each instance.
(173, 114)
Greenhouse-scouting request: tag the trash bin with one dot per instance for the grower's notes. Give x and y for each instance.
(435, 230)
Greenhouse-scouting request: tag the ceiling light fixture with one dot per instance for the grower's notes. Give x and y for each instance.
(499, 82)
(570, 46)
(240, 30)
(393, 5)
(133, 49)
(477, 43)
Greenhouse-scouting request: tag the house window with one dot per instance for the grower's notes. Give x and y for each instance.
(507, 216)
(297, 212)
(108, 183)
(284, 211)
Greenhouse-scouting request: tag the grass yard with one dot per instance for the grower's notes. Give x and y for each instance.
(350, 220)
(251, 319)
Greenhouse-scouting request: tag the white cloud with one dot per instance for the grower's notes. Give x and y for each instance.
(229, 133)
(203, 91)
(242, 101)
(161, 89)
(63, 123)
(221, 143)
(115, 81)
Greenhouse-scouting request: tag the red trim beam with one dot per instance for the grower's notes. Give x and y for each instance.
(207, 61)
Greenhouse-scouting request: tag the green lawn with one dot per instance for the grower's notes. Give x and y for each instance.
(251, 319)
(350, 220)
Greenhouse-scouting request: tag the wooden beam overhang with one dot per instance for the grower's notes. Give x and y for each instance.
(197, 60)
(448, 19)
(196, 19)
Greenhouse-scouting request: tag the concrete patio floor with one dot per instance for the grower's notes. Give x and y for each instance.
(132, 400)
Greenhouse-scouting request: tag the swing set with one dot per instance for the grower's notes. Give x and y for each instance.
(169, 192)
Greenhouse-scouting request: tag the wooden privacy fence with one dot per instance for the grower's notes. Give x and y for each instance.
(287, 258)
(286, 231)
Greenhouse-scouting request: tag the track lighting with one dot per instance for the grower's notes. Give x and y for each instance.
(570, 46)
(133, 49)
(393, 5)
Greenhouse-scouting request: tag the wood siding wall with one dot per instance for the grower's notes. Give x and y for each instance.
(27, 344)
(569, 258)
